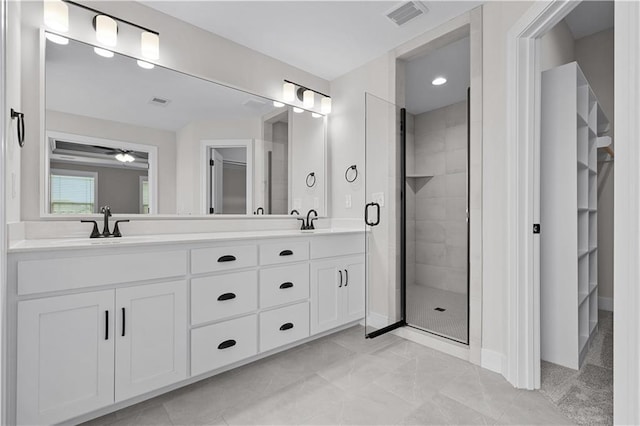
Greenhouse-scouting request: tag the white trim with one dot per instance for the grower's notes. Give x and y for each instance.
(143, 179)
(207, 144)
(522, 367)
(626, 268)
(90, 140)
(432, 341)
(493, 361)
(605, 303)
(3, 206)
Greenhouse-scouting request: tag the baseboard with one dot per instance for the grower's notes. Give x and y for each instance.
(605, 303)
(492, 361)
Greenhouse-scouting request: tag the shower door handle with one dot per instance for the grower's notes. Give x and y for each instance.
(366, 214)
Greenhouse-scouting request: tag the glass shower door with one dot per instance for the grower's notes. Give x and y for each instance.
(383, 195)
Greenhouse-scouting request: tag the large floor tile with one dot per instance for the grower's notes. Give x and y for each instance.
(440, 410)
(292, 405)
(483, 391)
(360, 370)
(532, 408)
(155, 415)
(353, 339)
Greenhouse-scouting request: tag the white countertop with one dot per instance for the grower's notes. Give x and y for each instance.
(33, 245)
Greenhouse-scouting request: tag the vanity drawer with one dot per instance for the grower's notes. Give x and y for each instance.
(283, 285)
(217, 345)
(274, 253)
(284, 325)
(337, 245)
(215, 259)
(221, 296)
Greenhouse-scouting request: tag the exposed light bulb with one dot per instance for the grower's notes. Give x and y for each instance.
(316, 115)
(106, 30)
(439, 81)
(56, 15)
(55, 38)
(145, 65)
(103, 52)
(297, 110)
(308, 98)
(150, 45)
(278, 104)
(125, 157)
(288, 92)
(325, 105)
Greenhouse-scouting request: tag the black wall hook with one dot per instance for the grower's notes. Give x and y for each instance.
(20, 117)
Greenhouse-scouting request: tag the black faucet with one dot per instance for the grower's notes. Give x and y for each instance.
(259, 210)
(106, 210)
(308, 225)
(295, 211)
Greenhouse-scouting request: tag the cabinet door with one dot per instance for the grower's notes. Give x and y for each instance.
(65, 356)
(326, 295)
(354, 289)
(151, 337)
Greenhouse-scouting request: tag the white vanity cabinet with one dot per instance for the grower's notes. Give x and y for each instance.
(98, 329)
(76, 352)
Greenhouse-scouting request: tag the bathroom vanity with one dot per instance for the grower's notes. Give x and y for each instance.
(96, 325)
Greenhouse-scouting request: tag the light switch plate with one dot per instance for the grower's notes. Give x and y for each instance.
(378, 197)
(347, 201)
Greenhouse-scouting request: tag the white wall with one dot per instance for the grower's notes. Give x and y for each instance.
(182, 47)
(557, 47)
(595, 54)
(498, 17)
(13, 100)
(165, 141)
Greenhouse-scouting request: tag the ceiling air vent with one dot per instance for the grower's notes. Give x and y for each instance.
(159, 101)
(405, 12)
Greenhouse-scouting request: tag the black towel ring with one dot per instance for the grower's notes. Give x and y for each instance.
(311, 176)
(346, 174)
(20, 117)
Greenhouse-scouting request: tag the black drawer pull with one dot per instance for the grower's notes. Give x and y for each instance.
(287, 326)
(286, 253)
(286, 285)
(227, 296)
(227, 344)
(227, 258)
(106, 325)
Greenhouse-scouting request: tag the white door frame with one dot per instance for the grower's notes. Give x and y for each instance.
(523, 106)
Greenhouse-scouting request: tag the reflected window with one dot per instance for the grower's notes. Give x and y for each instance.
(73, 192)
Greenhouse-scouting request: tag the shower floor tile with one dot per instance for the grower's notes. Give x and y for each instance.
(439, 311)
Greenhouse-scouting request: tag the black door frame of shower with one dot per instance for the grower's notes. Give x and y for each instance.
(403, 230)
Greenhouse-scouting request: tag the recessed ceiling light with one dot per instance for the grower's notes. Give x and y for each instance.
(145, 65)
(56, 38)
(278, 104)
(297, 110)
(103, 52)
(439, 81)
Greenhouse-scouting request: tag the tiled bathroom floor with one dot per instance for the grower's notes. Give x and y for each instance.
(422, 302)
(346, 379)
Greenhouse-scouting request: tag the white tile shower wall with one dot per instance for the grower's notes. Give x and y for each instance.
(439, 244)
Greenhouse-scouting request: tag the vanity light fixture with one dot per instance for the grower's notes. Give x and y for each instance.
(288, 91)
(278, 104)
(56, 15)
(439, 81)
(325, 105)
(305, 95)
(316, 115)
(150, 45)
(125, 157)
(103, 52)
(297, 110)
(55, 38)
(106, 30)
(308, 99)
(145, 65)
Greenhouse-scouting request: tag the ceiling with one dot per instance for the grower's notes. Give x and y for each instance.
(325, 38)
(590, 17)
(452, 62)
(80, 82)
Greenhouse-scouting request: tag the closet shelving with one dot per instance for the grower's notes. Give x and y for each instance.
(571, 122)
